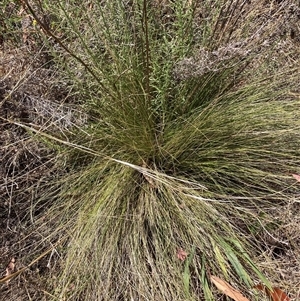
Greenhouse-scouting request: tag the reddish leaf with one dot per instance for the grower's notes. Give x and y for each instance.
(227, 289)
(276, 294)
(10, 268)
(181, 254)
(297, 177)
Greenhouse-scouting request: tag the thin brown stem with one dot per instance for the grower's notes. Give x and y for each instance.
(49, 33)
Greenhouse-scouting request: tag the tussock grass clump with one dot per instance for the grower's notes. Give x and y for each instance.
(174, 157)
